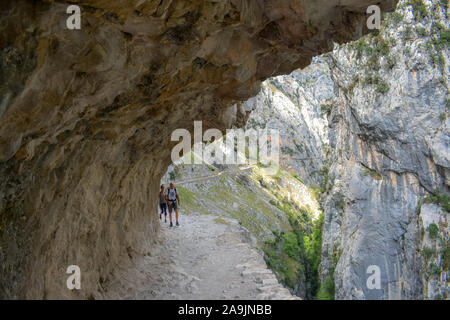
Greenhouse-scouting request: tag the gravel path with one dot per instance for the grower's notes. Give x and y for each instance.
(205, 258)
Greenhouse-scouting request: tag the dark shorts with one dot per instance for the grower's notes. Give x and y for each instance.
(172, 206)
(163, 207)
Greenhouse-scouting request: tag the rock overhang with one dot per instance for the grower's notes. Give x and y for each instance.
(86, 115)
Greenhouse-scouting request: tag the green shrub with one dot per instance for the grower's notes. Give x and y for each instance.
(290, 245)
(341, 204)
(326, 109)
(440, 199)
(352, 85)
(324, 173)
(438, 43)
(396, 18)
(436, 27)
(316, 192)
(372, 173)
(420, 10)
(277, 177)
(428, 253)
(381, 86)
(298, 178)
(361, 47)
(298, 252)
(407, 34)
(376, 48)
(327, 289)
(313, 246)
(444, 38)
(434, 270)
(286, 267)
(433, 231)
(383, 48)
(422, 32)
(391, 62)
(435, 54)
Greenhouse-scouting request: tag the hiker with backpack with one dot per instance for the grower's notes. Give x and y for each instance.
(162, 204)
(173, 200)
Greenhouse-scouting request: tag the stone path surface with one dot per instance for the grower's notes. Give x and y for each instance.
(205, 258)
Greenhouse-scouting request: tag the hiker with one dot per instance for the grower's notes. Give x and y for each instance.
(162, 204)
(172, 197)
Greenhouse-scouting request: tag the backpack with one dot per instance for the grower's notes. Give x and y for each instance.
(173, 192)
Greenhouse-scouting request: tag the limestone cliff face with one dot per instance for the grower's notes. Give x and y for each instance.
(292, 104)
(389, 138)
(86, 115)
(373, 118)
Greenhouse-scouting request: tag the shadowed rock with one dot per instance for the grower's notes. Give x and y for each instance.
(86, 115)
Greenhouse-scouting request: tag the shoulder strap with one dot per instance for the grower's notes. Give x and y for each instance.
(170, 193)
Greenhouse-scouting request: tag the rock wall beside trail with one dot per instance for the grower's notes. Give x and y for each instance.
(86, 115)
(373, 116)
(389, 136)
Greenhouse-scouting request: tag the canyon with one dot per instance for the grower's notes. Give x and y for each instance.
(319, 110)
(86, 118)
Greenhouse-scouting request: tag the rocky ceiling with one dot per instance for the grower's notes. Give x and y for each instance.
(86, 115)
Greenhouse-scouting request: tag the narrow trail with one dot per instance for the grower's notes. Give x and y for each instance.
(205, 258)
(204, 178)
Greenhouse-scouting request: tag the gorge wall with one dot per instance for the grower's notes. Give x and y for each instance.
(366, 126)
(370, 127)
(389, 138)
(86, 115)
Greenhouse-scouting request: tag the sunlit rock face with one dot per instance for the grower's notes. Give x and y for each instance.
(86, 116)
(292, 104)
(389, 142)
(369, 124)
